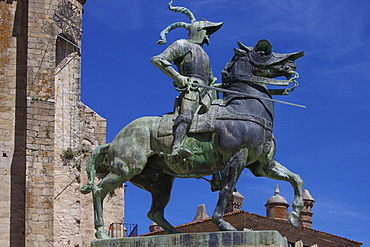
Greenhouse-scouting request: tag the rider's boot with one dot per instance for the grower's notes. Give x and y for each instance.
(179, 152)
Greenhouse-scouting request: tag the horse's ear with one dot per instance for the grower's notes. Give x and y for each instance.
(263, 45)
(243, 47)
(240, 52)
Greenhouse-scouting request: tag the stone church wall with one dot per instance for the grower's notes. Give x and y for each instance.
(47, 133)
(8, 44)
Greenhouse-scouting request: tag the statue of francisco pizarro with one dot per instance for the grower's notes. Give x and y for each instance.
(232, 134)
(193, 65)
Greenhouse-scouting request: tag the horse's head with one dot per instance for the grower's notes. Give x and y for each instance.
(260, 61)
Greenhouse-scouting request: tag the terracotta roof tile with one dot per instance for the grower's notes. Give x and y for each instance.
(231, 214)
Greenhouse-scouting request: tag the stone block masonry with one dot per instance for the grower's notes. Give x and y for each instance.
(204, 239)
(40, 173)
(8, 46)
(41, 120)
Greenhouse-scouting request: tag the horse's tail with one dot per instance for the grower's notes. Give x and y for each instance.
(96, 159)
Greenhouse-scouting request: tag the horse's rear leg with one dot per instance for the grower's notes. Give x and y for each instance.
(109, 183)
(95, 160)
(160, 188)
(279, 172)
(161, 192)
(230, 176)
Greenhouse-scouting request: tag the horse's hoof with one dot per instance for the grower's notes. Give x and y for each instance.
(225, 226)
(293, 219)
(101, 234)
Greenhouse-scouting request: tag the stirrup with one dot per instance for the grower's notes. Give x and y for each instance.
(181, 153)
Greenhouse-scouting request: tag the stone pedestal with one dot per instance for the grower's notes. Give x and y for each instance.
(204, 239)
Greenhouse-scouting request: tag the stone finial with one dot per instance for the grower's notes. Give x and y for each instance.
(201, 213)
(235, 202)
(277, 190)
(299, 244)
(307, 196)
(154, 227)
(306, 214)
(277, 206)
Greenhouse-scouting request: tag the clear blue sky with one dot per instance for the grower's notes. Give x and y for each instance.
(328, 143)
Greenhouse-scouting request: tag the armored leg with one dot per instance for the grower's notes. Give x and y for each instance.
(178, 152)
(181, 127)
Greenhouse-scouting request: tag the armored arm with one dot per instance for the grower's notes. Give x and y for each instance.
(164, 65)
(164, 62)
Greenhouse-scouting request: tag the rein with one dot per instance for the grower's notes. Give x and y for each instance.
(195, 85)
(264, 80)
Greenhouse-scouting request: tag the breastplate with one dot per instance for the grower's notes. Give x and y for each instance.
(195, 63)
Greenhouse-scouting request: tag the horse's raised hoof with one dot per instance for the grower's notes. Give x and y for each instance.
(226, 226)
(101, 234)
(293, 218)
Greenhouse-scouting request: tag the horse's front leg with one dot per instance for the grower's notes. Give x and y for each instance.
(230, 176)
(279, 172)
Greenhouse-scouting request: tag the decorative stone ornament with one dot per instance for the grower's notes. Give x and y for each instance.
(68, 21)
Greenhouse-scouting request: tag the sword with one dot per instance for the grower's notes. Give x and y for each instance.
(195, 85)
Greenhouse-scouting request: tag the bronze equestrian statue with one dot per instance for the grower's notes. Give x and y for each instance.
(233, 134)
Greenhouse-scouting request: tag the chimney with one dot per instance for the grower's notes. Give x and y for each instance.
(306, 214)
(277, 206)
(235, 202)
(154, 227)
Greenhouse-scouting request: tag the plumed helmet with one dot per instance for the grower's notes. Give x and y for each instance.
(199, 31)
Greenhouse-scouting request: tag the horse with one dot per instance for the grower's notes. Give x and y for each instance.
(235, 133)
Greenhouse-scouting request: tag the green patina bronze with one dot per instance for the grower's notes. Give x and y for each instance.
(203, 135)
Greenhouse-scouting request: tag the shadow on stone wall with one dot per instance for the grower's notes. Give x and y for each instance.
(18, 166)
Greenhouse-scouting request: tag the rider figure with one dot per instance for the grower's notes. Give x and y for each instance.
(193, 66)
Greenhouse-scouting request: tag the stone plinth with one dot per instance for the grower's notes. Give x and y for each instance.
(204, 239)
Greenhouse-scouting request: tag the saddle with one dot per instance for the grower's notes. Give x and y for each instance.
(205, 122)
(201, 123)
